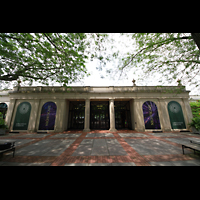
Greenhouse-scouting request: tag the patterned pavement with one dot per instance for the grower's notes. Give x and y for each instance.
(101, 148)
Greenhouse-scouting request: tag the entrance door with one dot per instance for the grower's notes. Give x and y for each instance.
(48, 116)
(176, 115)
(22, 116)
(99, 115)
(76, 115)
(151, 117)
(122, 115)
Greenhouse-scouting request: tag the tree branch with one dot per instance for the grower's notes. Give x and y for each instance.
(51, 42)
(159, 45)
(9, 77)
(194, 61)
(19, 41)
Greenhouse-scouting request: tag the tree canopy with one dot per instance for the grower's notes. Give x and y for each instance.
(62, 57)
(174, 55)
(45, 57)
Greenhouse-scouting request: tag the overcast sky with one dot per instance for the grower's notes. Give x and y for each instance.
(96, 80)
(123, 44)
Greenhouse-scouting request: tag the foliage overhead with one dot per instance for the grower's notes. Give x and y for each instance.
(174, 55)
(62, 57)
(45, 57)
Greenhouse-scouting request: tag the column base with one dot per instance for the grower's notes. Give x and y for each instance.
(86, 130)
(113, 129)
(58, 130)
(140, 129)
(166, 129)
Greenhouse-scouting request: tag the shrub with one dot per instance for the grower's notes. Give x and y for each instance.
(195, 106)
(2, 121)
(195, 123)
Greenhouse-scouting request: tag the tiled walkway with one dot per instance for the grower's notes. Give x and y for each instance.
(101, 148)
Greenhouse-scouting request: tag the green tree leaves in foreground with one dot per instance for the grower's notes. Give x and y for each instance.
(174, 55)
(61, 57)
(195, 107)
(45, 57)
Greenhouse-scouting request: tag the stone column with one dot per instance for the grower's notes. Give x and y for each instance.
(66, 115)
(160, 114)
(87, 116)
(112, 115)
(33, 115)
(60, 115)
(9, 114)
(164, 117)
(188, 113)
(138, 114)
(132, 114)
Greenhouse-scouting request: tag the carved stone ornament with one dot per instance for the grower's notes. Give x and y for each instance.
(133, 82)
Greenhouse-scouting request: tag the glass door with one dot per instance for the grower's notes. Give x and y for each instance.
(76, 114)
(99, 115)
(122, 115)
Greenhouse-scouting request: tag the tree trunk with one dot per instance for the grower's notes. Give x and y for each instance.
(196, 38)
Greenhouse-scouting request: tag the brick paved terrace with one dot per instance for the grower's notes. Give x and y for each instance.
(101, 148)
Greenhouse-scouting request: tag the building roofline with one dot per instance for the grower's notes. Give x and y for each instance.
(98, 89)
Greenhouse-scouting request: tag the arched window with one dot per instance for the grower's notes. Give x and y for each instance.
(150, 113)
(48, 116)
(176, 115)
(22, 116)
(3, 109)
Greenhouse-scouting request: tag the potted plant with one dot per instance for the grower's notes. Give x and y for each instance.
(3, 126)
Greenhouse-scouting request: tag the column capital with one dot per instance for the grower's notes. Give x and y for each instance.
(137, 99)
(163, 99)
(185, 98)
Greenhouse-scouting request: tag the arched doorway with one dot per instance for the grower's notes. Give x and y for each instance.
(176, 115)
(48, 116)
(22, 116)
(150, 113)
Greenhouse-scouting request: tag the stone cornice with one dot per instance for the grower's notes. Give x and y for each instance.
(109, 89)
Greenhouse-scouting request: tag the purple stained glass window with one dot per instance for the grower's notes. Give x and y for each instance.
(48, 115)
(151, 118)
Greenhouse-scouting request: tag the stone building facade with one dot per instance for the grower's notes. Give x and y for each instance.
(140, 108)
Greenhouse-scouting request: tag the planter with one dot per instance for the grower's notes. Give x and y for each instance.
(2, 131)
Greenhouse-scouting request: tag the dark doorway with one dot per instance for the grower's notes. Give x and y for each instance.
(76, 114)
(99, 115)
(122, 115)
